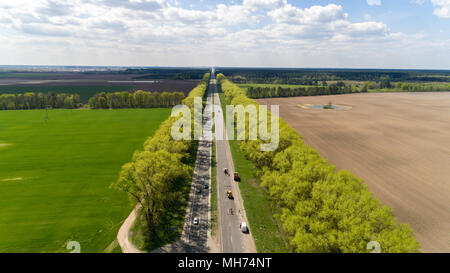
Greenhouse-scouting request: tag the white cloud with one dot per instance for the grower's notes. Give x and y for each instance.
(264, 4)
(232, 14)
(134, 4)
(322, 23)
(159, 32)
(367, 29)
(442, 8)
(373, 2)
(312, 15)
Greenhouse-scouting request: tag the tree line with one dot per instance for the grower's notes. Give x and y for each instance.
(325, 89)
(138, 99)
(299, 76)
(103, 100)
(159, 177)
(321, 209)
(32, 100)
(343, 88)
(408, 86)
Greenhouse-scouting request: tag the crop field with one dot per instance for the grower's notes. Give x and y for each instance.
(55, 173)
(89, 89)
(88, 84)
(399, 143)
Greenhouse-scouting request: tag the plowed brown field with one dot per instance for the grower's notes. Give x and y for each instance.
(399, 143)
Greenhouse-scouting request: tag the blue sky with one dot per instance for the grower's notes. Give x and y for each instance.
(282, 33)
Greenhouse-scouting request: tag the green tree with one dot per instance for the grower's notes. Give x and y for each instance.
(68, 102)
(153, 179)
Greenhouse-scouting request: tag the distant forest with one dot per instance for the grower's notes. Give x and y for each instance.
(168, 73)
(315, 77)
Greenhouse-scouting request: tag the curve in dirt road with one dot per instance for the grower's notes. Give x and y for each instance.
(123, 237)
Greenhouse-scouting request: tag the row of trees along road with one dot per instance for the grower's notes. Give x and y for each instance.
(33, 100)
(159, 177)
(321, 209)
(138, 99)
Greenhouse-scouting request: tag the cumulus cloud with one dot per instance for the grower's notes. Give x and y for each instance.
(442, 8)
(55, 8)
(322, 23)
(312, 15)
(160, 32)
(134, 4)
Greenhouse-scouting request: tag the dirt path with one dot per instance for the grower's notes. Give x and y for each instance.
(123, 237)
(399, 143)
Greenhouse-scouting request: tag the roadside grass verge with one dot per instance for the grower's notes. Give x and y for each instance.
(258, 206)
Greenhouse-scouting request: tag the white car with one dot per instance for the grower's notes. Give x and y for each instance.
(244, 227)
(195, 221)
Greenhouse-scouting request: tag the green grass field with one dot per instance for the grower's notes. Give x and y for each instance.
(55, 176)
(258, 206)
(85, 92)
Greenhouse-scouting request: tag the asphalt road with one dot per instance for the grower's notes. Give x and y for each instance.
(195, 237)
(231, 211)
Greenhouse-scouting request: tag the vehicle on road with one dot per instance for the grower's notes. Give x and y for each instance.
(206, 186)
(199, 190)
(229, 195)
(236, 177)
(195, 221)
(225, 171)
(243, 227)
